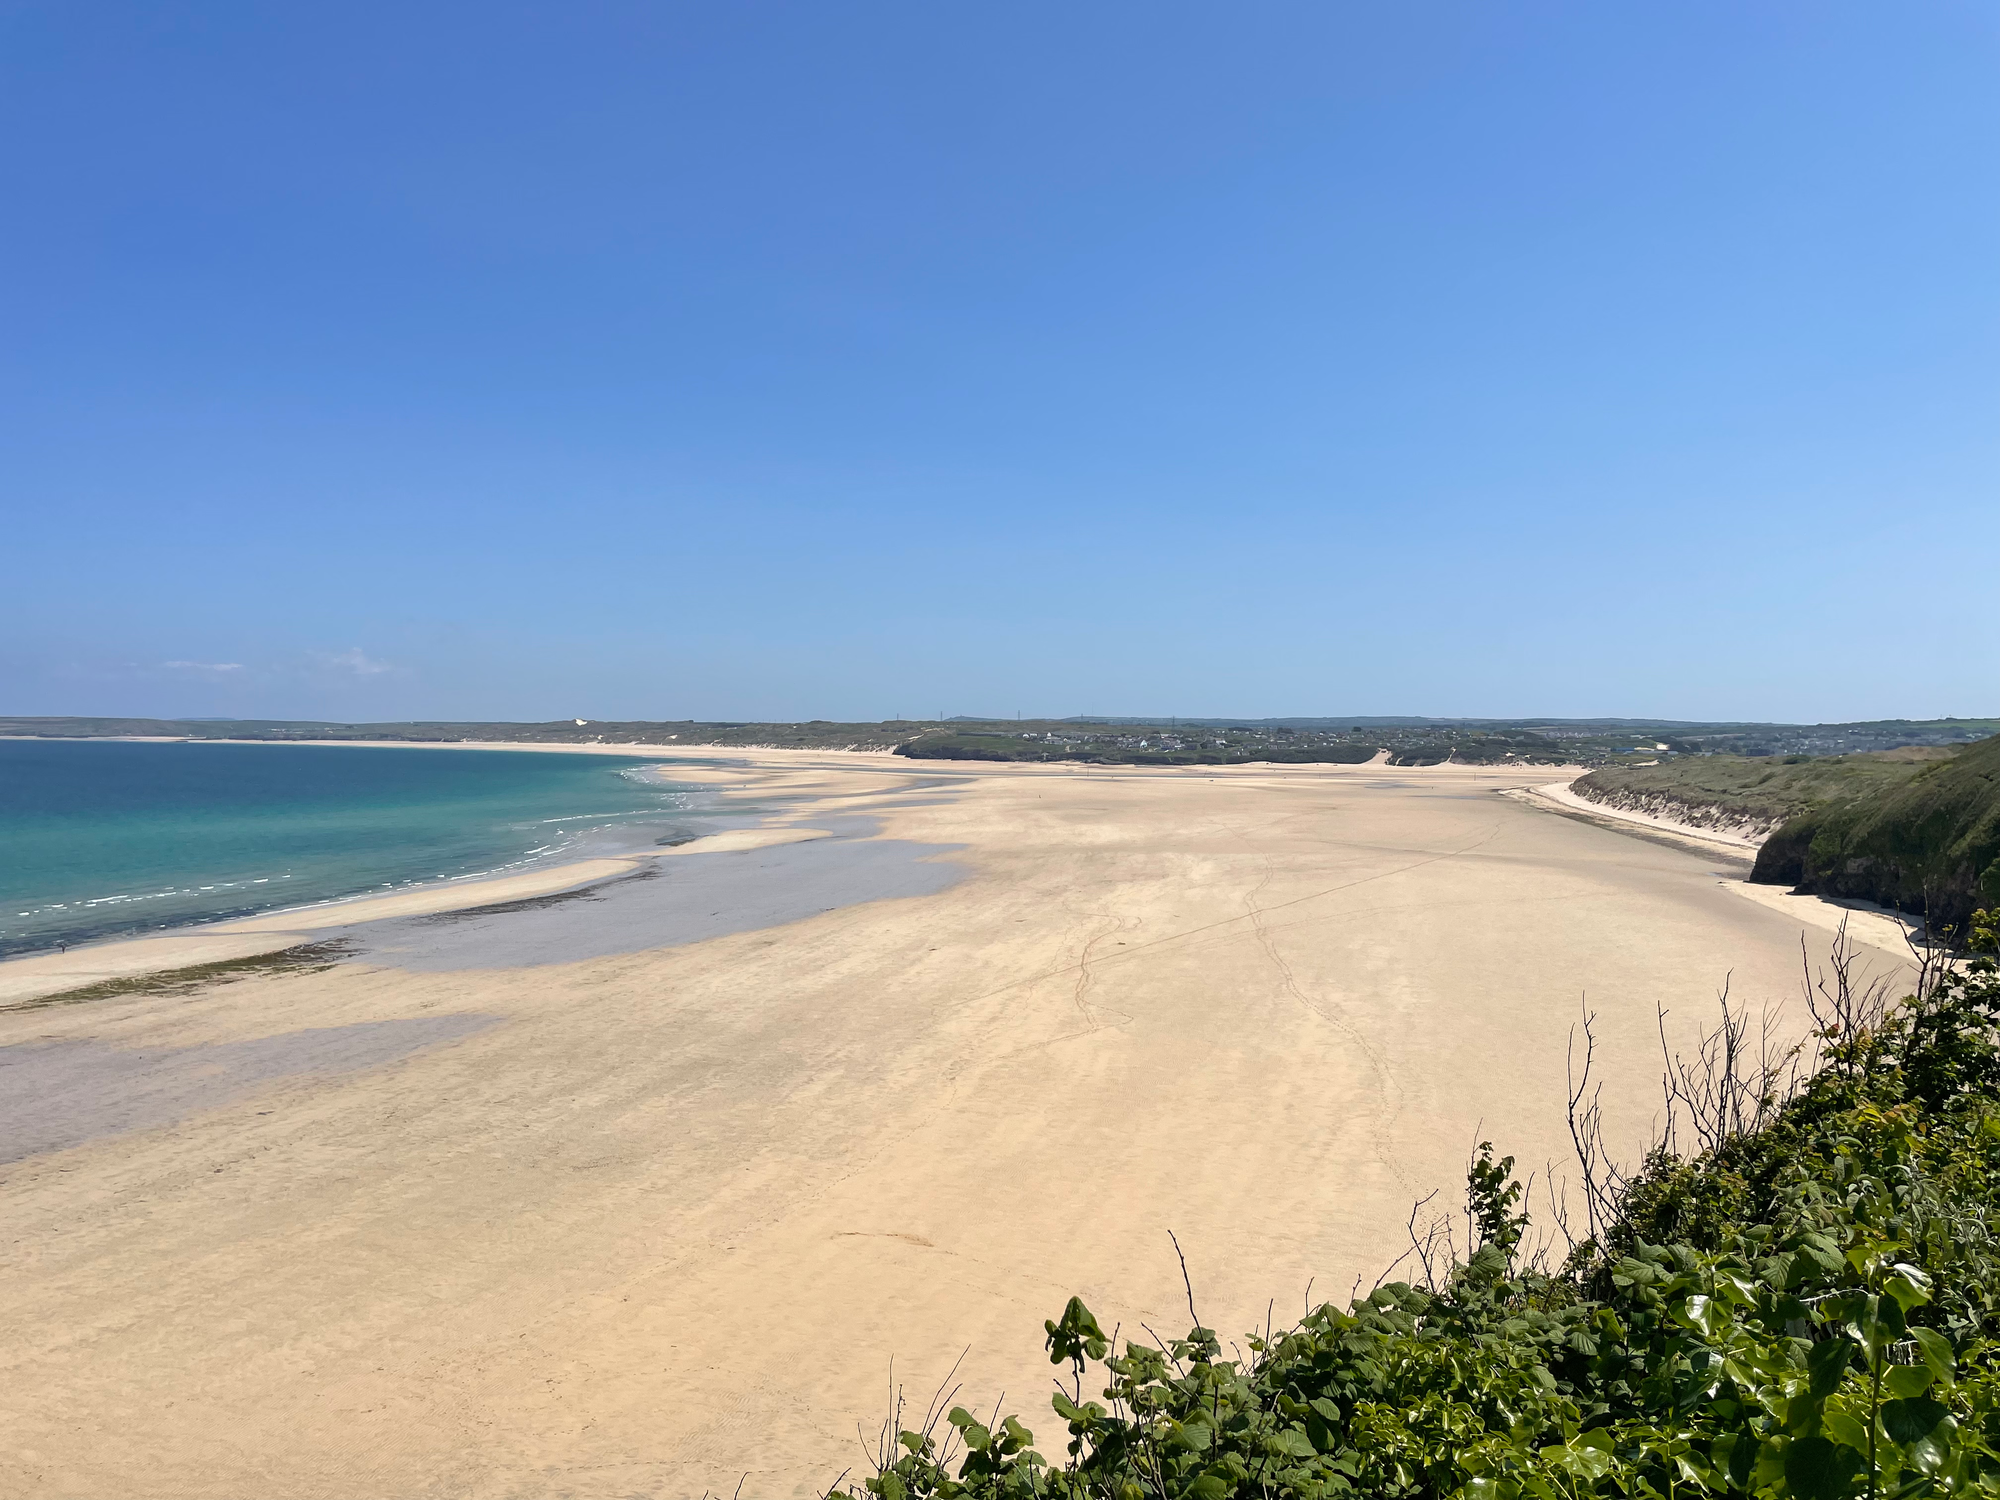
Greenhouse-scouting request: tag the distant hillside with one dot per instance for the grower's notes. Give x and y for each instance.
(1232, 745)
(1408, 741)
(1930, 845)
(1142, 746)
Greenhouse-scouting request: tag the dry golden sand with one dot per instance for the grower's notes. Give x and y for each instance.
(670, 1218)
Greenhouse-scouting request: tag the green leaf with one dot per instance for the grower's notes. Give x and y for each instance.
(1909, 1286)
(1296, 1443)
(1930, 1453)
(1846, 1429)
(1907, 1380)
(1876, 1322)
(1826, 1363)
(1936, 1350)
(1194, 1436)
(1734, 1454)
(1817, 1470)
(1076, 1336)
(1923, 1429)
(1907, 1421)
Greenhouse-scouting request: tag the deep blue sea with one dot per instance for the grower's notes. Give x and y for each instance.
(105, 839)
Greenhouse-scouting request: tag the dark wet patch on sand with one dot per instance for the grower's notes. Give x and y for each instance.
(683, 899)
(58, 1094)
(301, 958)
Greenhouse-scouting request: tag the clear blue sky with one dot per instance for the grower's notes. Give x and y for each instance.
(847, 360)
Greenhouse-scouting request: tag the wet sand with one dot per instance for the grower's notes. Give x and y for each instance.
(610, 1204)
(42, 976)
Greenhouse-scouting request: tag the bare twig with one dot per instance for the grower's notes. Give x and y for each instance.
(1558, 1206)
(1186, 1280)
(1604, 1183)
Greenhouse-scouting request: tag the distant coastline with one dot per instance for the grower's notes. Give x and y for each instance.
(1105, 740)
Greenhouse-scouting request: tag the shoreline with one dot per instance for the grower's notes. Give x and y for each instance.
(42, 977)
(1866, 922)
(35, 979)
(594, 1185)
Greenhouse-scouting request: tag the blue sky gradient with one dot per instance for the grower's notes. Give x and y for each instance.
(795, 360)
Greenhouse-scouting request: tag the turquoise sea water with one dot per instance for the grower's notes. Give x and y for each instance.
(103, 839)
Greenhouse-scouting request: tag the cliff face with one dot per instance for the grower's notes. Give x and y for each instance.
(1687, 809)
(1930, 847)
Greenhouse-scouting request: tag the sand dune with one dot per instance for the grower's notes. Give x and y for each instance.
(640, 1223)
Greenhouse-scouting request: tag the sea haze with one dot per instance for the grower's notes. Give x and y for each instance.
(114, 839)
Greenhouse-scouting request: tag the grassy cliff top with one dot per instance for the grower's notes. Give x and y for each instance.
(1929, 843)
(1772, 787)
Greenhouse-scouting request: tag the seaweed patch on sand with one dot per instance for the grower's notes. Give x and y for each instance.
(305, 958)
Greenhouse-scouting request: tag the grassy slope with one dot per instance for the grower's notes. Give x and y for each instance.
(1763, 788)
(1929, 845)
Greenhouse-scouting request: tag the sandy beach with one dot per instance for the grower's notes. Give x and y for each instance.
(640, 1181)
